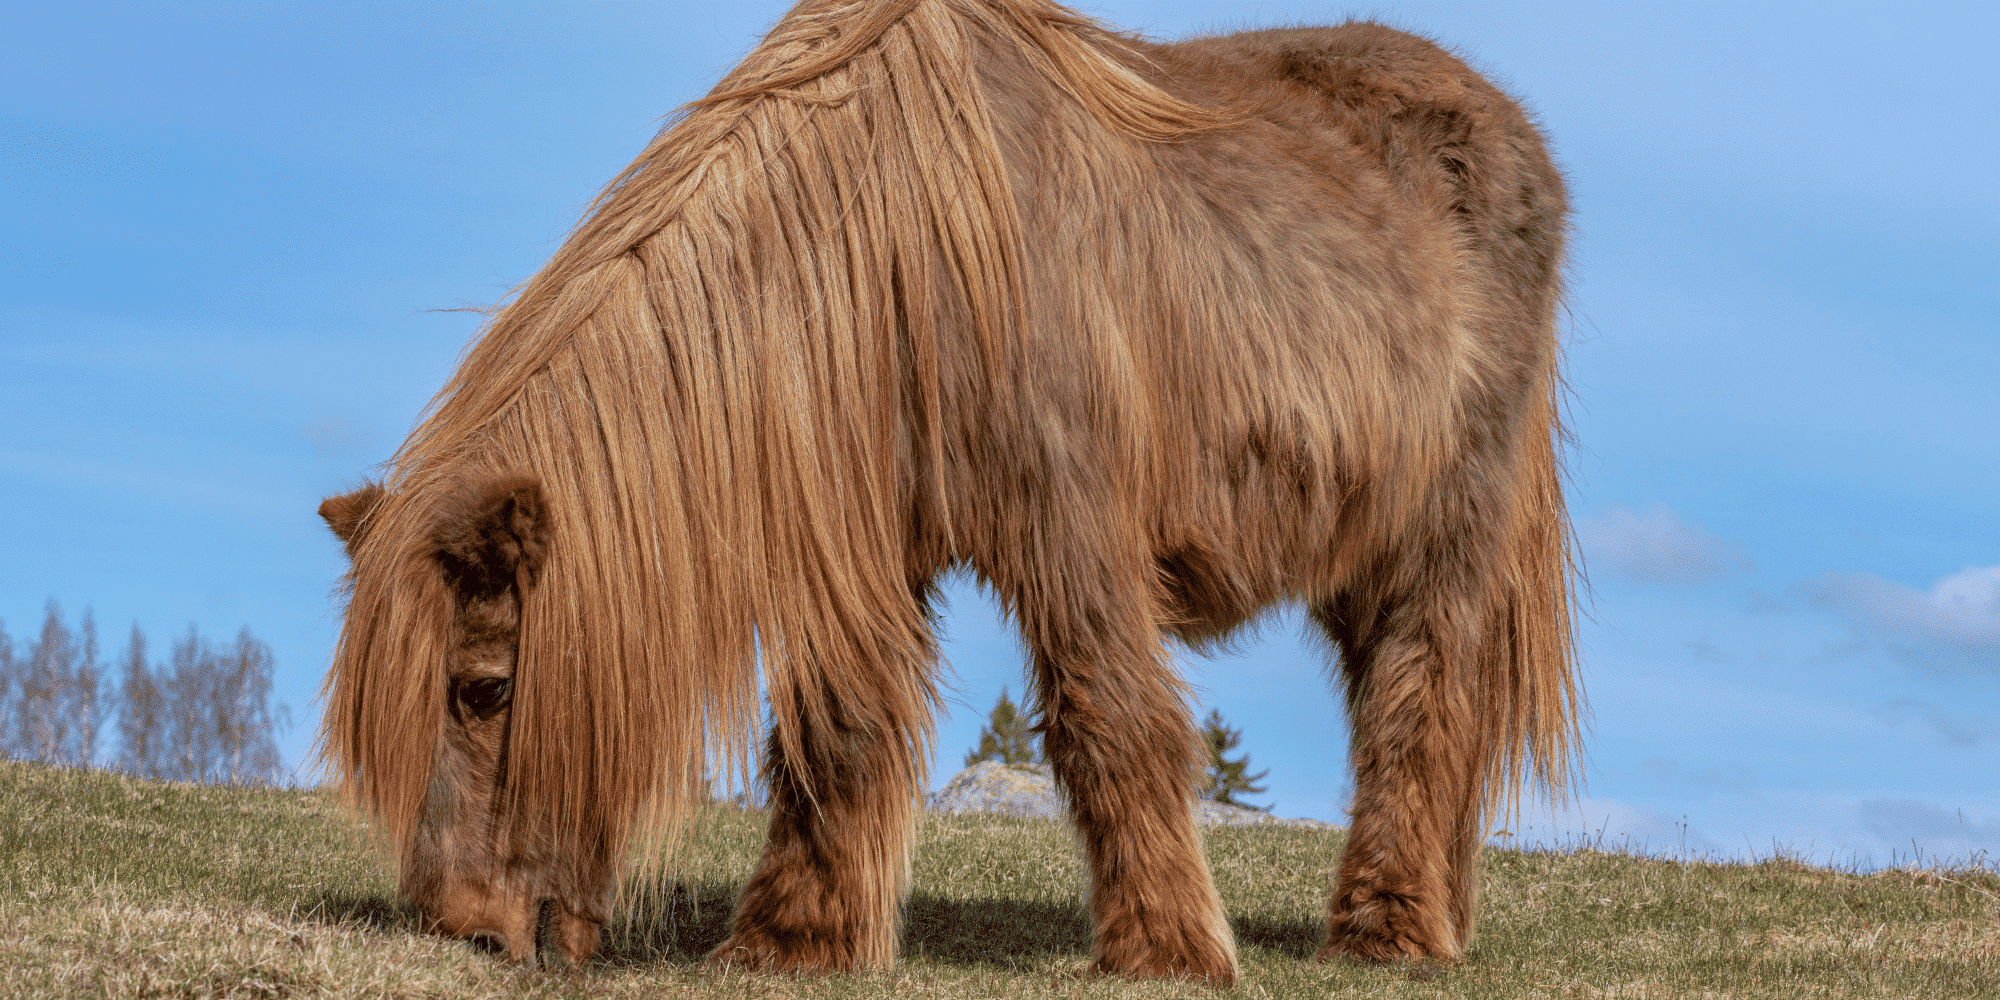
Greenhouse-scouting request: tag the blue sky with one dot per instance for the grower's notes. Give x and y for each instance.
(225, 230)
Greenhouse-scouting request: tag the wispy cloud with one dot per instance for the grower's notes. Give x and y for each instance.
(211, 489)
(335, 434)
(1609, 822)
(1655, 543)
(1955, 622)
(1949, 728)
(1734, 778)
(1705, 649)
(1929, 825)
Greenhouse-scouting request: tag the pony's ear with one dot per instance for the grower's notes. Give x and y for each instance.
(347, 514)
(493, 535)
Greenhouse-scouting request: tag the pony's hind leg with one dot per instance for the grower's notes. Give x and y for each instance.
(826, 895)
(1117, 733)
(1406, 885)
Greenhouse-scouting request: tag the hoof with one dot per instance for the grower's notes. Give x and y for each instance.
(1188, 961)
(1368, 950)
(761, 953)
(1383, 930)
(1218, 976)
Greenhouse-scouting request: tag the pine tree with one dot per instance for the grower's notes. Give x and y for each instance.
(1224, 778)
(1006, 737)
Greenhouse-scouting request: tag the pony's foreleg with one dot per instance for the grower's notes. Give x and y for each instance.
(1406, 885)
(827, 893)
(1117, 734)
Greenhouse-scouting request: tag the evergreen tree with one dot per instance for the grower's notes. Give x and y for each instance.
(1224, 778)
(1006, 737)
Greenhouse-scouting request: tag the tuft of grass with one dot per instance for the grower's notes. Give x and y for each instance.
(111, 886)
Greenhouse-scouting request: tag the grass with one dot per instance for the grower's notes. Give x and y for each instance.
(111, 886)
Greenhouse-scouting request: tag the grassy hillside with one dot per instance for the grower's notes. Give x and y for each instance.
(116, 887)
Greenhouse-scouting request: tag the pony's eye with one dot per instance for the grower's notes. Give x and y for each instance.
(485, 696)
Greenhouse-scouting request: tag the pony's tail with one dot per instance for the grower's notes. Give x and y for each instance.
(1534, 716)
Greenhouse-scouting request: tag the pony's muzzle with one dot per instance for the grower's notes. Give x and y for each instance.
(474, 912)
(574, 935)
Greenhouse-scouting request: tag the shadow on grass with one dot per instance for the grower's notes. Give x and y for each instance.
(1003, 933)
(680, 923)
(367, 912)
(1299, 939)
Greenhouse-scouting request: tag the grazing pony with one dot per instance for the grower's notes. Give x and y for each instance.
(1147, 337)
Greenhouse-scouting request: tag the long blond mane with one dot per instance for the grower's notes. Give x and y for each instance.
(717, 380)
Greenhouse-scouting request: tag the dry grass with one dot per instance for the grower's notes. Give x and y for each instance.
(116, 887)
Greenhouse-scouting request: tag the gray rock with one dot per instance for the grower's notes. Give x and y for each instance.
(1025, 790)
(1029, 791)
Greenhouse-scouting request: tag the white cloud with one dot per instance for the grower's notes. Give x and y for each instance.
(1956, 620)
(1655, 544)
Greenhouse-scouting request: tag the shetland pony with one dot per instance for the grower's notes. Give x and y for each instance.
(1148, 337)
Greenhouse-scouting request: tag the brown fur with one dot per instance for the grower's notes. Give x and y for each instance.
(1149, 337)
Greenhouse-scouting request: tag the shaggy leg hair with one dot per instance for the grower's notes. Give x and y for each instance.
(827, 893)
(1121, 744)
(1427, 644)
(1119, 737)
(1406, 883)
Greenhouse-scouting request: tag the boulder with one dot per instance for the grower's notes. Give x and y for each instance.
(1029, 791)
(1024, 790)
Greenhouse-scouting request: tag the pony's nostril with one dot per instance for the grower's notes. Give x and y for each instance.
(490, 942)
(547, 954)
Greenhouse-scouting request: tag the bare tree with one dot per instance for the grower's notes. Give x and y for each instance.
(188, 743)
(218, 723)
(141, 712)
(52, 702)
(248, 730)
(42, 722)
(9, 680)
(87, 703)
(206, 717)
